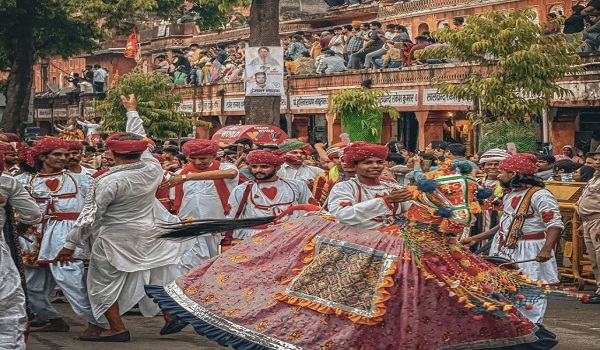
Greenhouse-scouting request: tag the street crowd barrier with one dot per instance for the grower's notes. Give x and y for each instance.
(573, 261)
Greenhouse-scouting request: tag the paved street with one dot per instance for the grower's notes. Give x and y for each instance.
(577, 326)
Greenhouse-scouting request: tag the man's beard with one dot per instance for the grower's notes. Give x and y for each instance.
(267, 176)
(506, 184)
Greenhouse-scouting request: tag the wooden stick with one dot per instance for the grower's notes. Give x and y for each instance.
(54, 261)
(518, 262)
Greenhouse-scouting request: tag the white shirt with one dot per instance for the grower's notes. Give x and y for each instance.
(303, 173)
(90, 128)
(100, 75)
(265, 199)
(356, 204)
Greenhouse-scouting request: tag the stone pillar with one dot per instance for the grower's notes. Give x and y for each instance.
(431, 126)
(562, 129)
(334, 128)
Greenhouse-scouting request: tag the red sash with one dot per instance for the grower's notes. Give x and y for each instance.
(220, 185)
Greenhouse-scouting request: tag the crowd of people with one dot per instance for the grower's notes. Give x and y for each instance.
(101, 209)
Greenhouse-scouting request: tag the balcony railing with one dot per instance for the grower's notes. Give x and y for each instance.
(416, 6)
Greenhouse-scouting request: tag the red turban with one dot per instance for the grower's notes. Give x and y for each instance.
(522, 163)
(74, 145)
(48, 144)
(158, 157)
(199, 147)
(10, 137)
(275, 158)
(125, 146)
(359, 151)
(6, 148)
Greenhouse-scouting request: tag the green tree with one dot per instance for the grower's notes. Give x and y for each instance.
(34, 28)
(525, 62)
(157, 105)
(361, 112)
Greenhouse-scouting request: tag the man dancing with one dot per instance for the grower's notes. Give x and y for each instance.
(530, 226)
(367, 201)
(13, 318)
(268, 194)
(120, 214)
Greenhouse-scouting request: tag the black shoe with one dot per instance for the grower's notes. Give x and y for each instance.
(117, 338)
(175, 326)
(593, 299)
(37, 322)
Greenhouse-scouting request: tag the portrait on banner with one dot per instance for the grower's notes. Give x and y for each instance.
(264, 71)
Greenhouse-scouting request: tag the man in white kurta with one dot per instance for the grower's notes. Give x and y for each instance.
(60, 196)
(202, 189)
(366, 201)
(267, 194)
(540, 231)
(119, 218)
(13, 317)
(297, 153)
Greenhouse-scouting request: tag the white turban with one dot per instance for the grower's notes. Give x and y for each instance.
(493, 155)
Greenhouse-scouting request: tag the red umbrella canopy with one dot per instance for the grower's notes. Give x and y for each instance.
(259, 134)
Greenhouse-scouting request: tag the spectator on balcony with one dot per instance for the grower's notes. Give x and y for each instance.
(325, 39)
(99, 78)
(551, 25)
(334, 4)
(374, 44)
(422, 42)
(575, 23)
(355, 39)
(181, 61)
(289, 65)
(295, 48)
(390, 37)
(315, 48)
(331, 63)
(194, 53)
(338, 42)
(161, 65)
(393, 57)
(207, 73)
(305, 64)
(195, 77)
(458, 22)
(591, 34)
(593, 5)
(88, 74)
(222, 55)
(179, 77)
(402, 33)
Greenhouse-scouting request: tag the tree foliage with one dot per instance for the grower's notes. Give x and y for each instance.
(526, 63)
(499, 133)
(157, 105)
(361, 112)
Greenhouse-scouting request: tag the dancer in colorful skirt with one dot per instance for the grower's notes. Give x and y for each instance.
(312, 283)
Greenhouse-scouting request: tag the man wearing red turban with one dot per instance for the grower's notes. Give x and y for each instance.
(60, 195)
(367, 201)
(74, 160)
(530, 226)
(202, 189)
(11, 159)
(268, 194)
(121, 215)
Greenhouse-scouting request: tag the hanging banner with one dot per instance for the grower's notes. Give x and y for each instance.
(264, 71)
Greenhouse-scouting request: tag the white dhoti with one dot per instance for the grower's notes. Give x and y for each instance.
(109, 283)
(13, 318)
(546, 272)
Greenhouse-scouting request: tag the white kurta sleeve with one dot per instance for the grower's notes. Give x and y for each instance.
(545, 205)
(135, 124)
(28, 210)
(305, 194)
(105, 194)
(342, 205)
